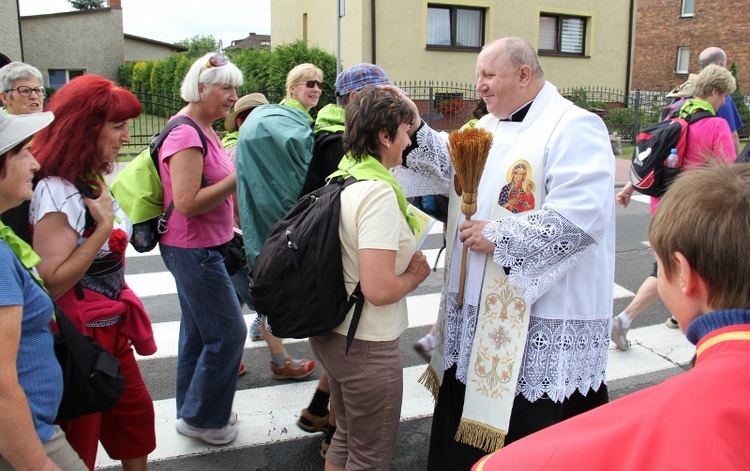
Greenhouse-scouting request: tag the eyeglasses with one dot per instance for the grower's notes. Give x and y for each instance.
(313, 83)
(26, 91)
(216, 61)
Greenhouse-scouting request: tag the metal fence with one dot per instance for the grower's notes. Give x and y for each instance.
(446, 106)
(443, 106)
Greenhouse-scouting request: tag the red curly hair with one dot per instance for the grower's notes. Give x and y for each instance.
(67, 147)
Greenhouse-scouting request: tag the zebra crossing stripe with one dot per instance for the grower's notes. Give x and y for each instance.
(268, 414)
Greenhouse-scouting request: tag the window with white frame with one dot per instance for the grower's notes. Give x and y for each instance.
(562, 34)
(453, 27)
(683, 60)
(688, 7)
(59, 77)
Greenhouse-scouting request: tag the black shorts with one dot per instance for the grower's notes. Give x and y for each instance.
(653, 272)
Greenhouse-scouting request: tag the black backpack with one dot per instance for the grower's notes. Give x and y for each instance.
(649, 172)
(298, 278)
(327, 152)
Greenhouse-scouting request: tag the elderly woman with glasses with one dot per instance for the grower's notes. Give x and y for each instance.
(201, 182)
(21, 89)
(21, 92)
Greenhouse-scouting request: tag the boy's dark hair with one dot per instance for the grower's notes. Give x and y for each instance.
(371, 110)
(705, 215)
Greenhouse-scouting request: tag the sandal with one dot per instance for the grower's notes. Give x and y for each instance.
(288, 371)
(312, 423)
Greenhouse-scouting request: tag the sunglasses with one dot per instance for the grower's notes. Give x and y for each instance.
(216, 61)
(313, 83)
(26, 91)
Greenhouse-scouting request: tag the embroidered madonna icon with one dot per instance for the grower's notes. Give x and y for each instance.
(518, 195)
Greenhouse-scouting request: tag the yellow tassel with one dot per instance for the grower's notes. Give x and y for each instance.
(479, 435)
(430, 380)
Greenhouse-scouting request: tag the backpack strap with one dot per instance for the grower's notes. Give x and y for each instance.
(154, 147)
(359, 302)
(697, 116)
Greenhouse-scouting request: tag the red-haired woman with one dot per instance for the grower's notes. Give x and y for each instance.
(81, 235)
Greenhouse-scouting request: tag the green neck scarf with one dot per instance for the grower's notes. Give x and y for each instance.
(292, 103)
(330, 119)
(370, 168)
(23, 251)
(230, 139)
(691, 106)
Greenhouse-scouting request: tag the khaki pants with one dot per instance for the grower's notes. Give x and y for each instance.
(366, 392)
(58, 450)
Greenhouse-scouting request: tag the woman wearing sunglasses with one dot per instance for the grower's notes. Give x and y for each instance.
(304, 84)
(212, 328)
(274, 150)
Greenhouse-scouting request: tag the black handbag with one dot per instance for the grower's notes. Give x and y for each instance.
(92, 381)
(234, 256)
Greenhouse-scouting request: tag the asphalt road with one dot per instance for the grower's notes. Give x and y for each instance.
(633, 264)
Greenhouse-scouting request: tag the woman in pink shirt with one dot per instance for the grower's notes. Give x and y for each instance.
(212, 329)
(708, 138)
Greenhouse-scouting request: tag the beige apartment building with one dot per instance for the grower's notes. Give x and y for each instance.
(580, 42)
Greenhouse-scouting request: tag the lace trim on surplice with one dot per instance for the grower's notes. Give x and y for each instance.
(563, 356)
(459, 335)
(428, 166)
(560, 357)
(539, 248)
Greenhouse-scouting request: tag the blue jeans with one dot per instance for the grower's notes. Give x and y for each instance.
(212, 336)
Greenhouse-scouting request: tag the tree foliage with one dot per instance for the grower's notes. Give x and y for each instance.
(87, 4)
(264, 70)
(199, 44)
(739, 101)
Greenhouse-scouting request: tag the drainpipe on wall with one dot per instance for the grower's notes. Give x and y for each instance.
(20, 32)
(372, 34)
(630, 51)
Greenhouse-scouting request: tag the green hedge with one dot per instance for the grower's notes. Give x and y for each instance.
(264, 70)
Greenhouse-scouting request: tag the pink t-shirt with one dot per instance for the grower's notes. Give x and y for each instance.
(707, 137)
(205, 230)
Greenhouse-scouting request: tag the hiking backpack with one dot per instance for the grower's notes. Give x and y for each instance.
(139, 190)
(672, 110)
(649, 172)
(298, 278)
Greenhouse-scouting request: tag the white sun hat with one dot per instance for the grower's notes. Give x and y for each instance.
(14, 129)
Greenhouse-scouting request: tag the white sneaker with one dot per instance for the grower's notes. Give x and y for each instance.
(672, 323)
(620, 334)
(212, 436)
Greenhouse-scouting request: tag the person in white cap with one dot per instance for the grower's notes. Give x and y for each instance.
(31, 383)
